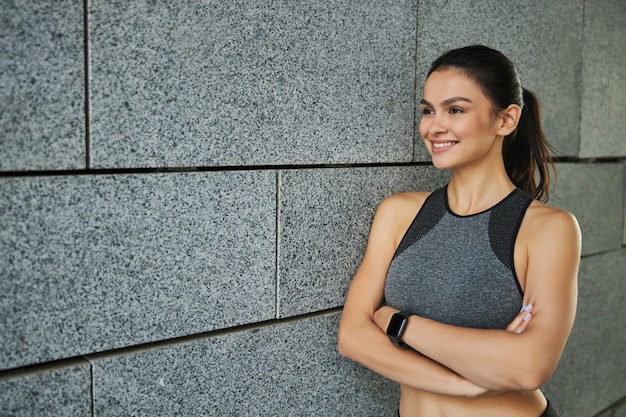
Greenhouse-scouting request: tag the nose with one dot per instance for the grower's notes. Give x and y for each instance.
(432, 125)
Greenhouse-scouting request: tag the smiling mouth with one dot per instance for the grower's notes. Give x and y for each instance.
(442, 145)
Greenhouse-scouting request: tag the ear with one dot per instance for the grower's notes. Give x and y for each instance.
(509, 118)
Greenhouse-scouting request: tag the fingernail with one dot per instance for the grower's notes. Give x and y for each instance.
(526, 307)
(527, 316)
(518, 331)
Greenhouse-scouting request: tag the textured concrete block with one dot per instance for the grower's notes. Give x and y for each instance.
(324, 220)
(594, 194)
(214, 83)
(542, 38)
(60, 392)
(617, 410)
(603, 125)
(592, 372)
(288, 369)
(42, 120)
(91, 263)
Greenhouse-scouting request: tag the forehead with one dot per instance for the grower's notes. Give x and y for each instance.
(444, 84)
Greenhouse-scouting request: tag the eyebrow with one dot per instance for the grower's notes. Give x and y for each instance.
(447, 102)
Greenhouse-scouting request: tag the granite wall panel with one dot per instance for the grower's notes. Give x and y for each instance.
(42, 119)
(286, 369)
(182, 288)
(214, 83)
(592, 372)
(542, 38)
(324, 220)
(594, 194)
(61, 392)
(604, 80)
(92, 263)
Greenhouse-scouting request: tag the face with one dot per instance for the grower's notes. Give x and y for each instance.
(458, 125)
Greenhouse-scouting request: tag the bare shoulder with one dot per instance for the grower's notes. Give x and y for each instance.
(396, 212)
(544, 217)
(402, 205)
(408, 200)
(547, 225)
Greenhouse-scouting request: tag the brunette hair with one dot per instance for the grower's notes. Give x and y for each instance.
(526, 152)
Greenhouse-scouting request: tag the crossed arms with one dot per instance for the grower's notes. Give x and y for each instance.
(459, 361)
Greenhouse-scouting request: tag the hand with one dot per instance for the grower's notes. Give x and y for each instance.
(520, 321)
(382, 317)
(471, 390)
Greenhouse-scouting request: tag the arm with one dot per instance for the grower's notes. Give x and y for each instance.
(361, 340)
(504, 360)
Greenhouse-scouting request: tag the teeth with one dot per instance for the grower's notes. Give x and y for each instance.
(443, 144)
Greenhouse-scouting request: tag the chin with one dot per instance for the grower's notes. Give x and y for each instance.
(439, 164)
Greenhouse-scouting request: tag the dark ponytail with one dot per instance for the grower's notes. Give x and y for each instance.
(526, 152)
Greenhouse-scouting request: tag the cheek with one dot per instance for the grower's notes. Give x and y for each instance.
(469, 129)
(421, 127)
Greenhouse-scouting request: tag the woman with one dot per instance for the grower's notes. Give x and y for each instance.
(479, 278)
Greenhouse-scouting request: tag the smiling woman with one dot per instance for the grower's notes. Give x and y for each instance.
(466, 295)
(461, 129)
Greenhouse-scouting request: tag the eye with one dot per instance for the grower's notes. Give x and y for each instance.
(426, 111)
(455, 110)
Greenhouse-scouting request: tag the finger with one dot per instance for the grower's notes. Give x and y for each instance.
(517, 320)
(521, 319)
(524, 323)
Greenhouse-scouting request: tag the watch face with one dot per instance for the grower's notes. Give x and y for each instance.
(396, 325)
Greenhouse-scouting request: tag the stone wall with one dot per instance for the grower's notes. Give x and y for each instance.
(186, 189)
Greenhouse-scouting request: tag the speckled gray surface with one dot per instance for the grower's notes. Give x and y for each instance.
(594, 194)
(60, 392)
(603, 125)
(214, 83)
(290, 369)
(324, 220)
(542, 38)
(42, 121)
(592, 371)
(99, 262)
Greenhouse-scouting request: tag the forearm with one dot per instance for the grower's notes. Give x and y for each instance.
(495, 359)
(369, 346)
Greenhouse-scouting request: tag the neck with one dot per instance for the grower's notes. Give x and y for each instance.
(472, 191)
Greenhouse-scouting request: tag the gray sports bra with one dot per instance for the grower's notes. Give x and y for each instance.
(459, 269)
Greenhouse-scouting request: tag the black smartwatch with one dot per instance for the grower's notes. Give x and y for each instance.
(396, 327)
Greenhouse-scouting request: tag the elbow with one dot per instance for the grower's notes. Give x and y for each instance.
(534, 376)
(348, 342)
(534, 380)
(342, 350)
(343, 344)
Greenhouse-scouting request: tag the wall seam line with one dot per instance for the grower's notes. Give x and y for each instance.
(92, 388)
(582, 83)
(86, 83)
(158, 170)
(277, 248)
(415, 77)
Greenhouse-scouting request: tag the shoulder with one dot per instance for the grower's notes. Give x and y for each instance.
(396, 212)
(401, 207)
(546, 225)
(410, 201)
(542, 216)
